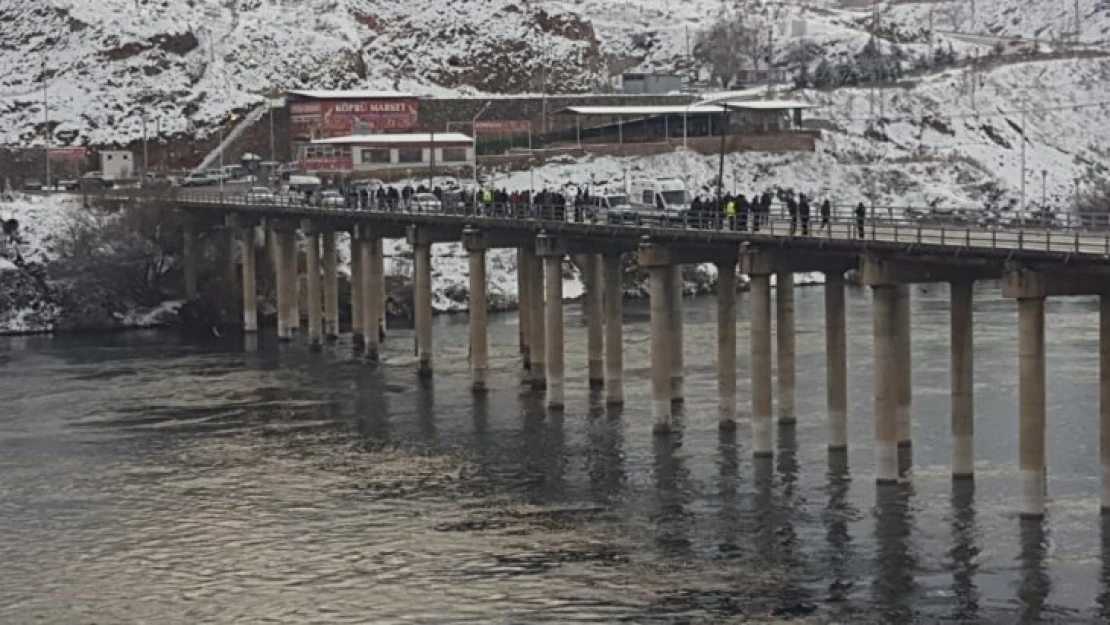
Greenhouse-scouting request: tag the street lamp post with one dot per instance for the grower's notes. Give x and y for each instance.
(474, 141)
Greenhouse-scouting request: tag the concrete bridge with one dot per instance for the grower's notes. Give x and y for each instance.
(1031, 264)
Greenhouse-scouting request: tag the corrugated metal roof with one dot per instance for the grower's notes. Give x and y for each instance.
(397, 138)
(642, 110)
(353, 94)
(770, 105)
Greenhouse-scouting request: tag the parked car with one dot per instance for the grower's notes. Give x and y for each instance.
(261, 195)
(32, 184)
(198, 179)
(94, 181)
(426, 203)
(331, 199)
(70, 184)
(615, 208)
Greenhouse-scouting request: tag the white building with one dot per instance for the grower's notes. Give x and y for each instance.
(117, 164)
(385, 152)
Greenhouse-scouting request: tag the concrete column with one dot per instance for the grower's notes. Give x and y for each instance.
(282, 241)
(293, 262)
(678, 392)
(189, 261)
(553, 277)
(762, 400)
(231, 268)
(377, 259)
(331, 287)
(1104, 396)
(836, 361)
(963, 381)
(422, 313)
(904, 362)
(886, 383)
(523, 273)
(250, 289)
(538, 343)
(784, 335)
(595, 346)
(315, 296)
(614, 339)
(370, 291)
(662, 290)
(479, 344)
(1031, 414)
(726, 345)
(357, 285)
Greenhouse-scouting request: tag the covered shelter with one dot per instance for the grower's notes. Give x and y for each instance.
(643, 122)
(767, 116)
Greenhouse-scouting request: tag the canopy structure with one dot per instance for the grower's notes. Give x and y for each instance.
(769, 105)
(634, 111)
(408, 138)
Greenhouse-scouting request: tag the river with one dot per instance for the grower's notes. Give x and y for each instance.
(155, 477)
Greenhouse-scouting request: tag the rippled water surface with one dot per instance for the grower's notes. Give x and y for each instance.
(150, 477)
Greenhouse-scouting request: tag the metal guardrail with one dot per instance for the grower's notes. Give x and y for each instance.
(1010, 231)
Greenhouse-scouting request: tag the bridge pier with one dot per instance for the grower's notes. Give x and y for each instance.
(762, 399)
(476, 245)
(549, 249)
(357, 287)
(726, 345)
(887, 378)
(250, 288)
(904, 362)
(293, 262)
(1031, 406)
(614, 339)
(592, 310)
(963, 380)
(314, 301)
(331, 286)
(657, 260)
(371, 287)
(536, 322)
(377, 258)
(523, 304)
(189, 260)
(675, 315)
(836, 361)
(784, 335)
(285, 249)
(422, 299)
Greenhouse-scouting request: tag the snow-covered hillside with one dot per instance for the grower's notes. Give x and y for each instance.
(185, 64)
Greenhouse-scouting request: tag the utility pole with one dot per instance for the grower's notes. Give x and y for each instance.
(1024, 104)
(46, 122)
(1077, 23)
(146, 154)
(273, 145)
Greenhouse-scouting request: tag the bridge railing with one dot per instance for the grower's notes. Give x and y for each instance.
(1034, 230)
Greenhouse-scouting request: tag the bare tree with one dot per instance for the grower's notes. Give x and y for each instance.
(955, 14)
(1093, 203)
(729, 46)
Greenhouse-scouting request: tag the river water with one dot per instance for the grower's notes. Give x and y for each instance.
(151, 477)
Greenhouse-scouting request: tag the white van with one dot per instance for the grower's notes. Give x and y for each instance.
(663, 198)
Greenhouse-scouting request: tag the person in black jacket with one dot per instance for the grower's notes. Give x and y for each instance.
(803, 213)
(792, 210)
(826, 213)
(861, 213)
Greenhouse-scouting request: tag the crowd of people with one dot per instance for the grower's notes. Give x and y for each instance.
(730, 212)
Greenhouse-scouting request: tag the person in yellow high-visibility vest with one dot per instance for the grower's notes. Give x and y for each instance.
(487, 201)
(730, 213)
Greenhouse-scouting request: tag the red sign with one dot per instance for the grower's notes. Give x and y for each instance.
(326, 163)
(520, 127)
(68, 155)
(334, 118)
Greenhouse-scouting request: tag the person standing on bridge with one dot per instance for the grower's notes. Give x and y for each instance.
(487, 201)
(730, 212)
(826, 212)
(792, 210)
(861, 213)
(742, 210)
(803, 213)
